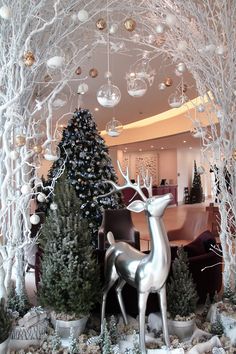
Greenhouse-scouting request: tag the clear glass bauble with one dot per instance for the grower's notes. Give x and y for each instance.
(136, 87)
(114, 127)
(176, 100)
(108, 95)
(59, 101)
(52, 152)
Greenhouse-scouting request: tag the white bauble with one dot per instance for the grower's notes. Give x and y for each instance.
(178, 73)
(41, 197)
(74, 17)
(26, 189)
(162, 86)
(82, 88)
(113, 28)
(171, 20)
(220, 49)
(34, 219)
(14, 155)
(55, 62)
(83, 15)
(53, 206)
(5, 12)
(181, 67)
(160, 28)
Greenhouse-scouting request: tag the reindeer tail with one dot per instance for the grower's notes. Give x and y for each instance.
(110, 238)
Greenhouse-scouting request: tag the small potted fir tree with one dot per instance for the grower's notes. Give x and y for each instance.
(181, 297)
(5, 327)
(69, 285)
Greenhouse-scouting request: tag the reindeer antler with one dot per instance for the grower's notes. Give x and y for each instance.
(135, 186)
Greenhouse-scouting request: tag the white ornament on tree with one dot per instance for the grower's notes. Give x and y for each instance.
(55, 62)
(171, 20)
(5, 12)
(41, 197)
(14, 155)
(83, 15)
(34, 219)
(160, 28)
(53, 206)
(26, 189)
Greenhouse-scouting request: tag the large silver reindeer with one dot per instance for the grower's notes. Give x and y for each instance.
(147, 273)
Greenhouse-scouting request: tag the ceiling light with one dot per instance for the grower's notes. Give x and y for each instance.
(96, 109)
(162, 148)
(140, 149)
(184, 141)
(190, 147)
(114, 127)
(152, 146)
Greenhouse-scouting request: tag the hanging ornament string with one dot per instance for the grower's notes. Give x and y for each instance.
(108, 48)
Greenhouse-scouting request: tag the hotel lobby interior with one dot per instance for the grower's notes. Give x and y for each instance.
(118, 165)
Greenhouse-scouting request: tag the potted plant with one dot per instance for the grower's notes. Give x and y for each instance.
(70, 282)
(5, 327)
(181, 297)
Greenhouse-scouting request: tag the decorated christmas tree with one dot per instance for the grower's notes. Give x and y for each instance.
(86, 157)
(70, 276)
(196, 194)
(181, 291)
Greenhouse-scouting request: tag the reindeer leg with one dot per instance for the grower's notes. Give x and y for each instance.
(106, 289)
(119, 288)
(142, 302)
(163, 306)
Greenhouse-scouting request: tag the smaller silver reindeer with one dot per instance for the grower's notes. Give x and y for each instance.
(147, 273)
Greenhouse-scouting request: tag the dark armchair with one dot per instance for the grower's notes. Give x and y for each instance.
(119, 222)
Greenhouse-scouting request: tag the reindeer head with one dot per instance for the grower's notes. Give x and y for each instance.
(154, 206)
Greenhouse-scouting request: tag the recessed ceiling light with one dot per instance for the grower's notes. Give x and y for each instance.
(125, 148)
(190, 147)
(152, 146)
(140, 149)
(184, 141)
(162, 148)
(96, 109)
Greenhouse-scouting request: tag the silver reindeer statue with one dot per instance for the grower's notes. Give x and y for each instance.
(146, 272)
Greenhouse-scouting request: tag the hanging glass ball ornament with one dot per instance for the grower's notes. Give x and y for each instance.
(200, 108)
(114, 127)
(136, 87)
(53, 206)
(60, 101)
(181, 67)
(113, 28)
(26, 189)
(160, 28)
(108, 95)
(55, 62)
(176, 100)
(171, 20)
(34, 219)
(130, 25)
(52, 152)
(101, 24)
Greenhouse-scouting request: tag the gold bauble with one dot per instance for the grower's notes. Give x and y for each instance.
(20, 140)
(168, 82)
(101, 24)
(93, 73)
(78, 71)
(130, 24)
(29, 58)
(37, 149)
(234, 155)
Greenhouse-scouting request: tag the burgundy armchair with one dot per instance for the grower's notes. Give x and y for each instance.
(119, 222)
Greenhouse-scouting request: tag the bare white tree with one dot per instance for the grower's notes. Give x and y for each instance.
(200, 36)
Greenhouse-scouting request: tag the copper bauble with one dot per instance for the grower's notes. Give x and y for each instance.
(37, 149)
(29, 58)
(78, 71)
(130, 24)
(168, 82)
(101, 24)
(20, 140)
(93, 73)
